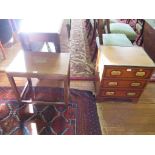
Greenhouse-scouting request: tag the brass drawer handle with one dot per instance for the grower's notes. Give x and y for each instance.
(135, 84)
(116, 73)
(110, 93)
(141, 74)
(131, 94)
(112, 83)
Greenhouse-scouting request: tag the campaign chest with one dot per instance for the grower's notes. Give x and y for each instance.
(122, 72)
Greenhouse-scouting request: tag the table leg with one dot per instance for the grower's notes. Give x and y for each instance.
(30, 87)
(66, 91)
(69, 75)
(14, 87)
(29, 81)
(57, 43)
(68, 25)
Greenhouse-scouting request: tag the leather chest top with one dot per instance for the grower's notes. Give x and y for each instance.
(125, 56)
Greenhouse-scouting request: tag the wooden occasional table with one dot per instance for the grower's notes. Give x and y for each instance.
(41, 65)
(42, 31)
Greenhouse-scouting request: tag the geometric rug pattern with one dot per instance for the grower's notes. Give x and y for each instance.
(79, 117)
(48, 119)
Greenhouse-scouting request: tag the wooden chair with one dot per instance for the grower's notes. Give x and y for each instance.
(69, 26)
(120, 28)
(109, 39)
(44, 33)
(140, 29)
(92, 27)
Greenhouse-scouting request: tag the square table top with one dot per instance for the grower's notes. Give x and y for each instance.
(40, 63)
(125, 56)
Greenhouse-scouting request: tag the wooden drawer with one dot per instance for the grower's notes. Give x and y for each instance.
(113, 83)
(120, 93)
(127, 72)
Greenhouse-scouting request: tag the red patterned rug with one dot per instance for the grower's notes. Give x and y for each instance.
(78, 118)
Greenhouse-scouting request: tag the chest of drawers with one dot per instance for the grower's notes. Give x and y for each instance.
(122, 72)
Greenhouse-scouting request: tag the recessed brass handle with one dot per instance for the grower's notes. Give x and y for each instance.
(116, 73)
(131, 94)
(135, 84)
(110, 93)
(112, 84)
(140, 74)
(128, 69)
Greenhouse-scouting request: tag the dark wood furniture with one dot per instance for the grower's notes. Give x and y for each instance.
(42, 65)
(122, 72)
(140, 30)
(106, 38)
(91, 25)
(40, 31)
(149, 38)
